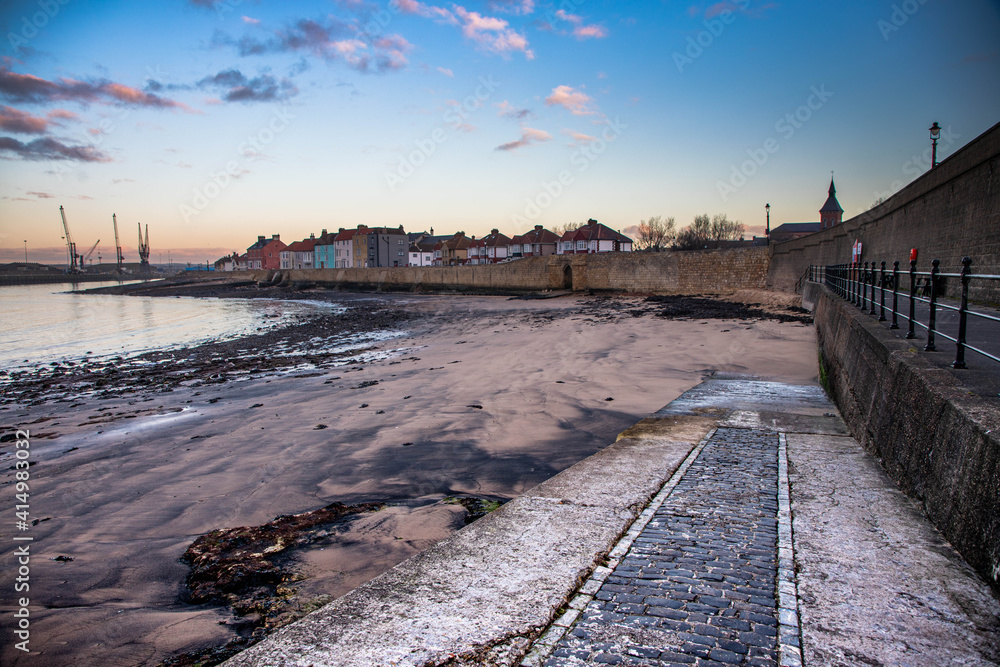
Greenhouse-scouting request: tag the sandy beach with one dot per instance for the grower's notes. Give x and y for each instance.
(470, 396)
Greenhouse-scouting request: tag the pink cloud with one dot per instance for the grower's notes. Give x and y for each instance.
(528, 136)
(523, 7)
(590, 31)
(576, 102)
(447, 72)
(22, 122)
(251, 21)
(33, 89)
(571, 18)
(579, 137)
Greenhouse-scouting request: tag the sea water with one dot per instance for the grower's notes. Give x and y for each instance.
(40, 324)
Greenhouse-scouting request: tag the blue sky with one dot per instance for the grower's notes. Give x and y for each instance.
(213, 122)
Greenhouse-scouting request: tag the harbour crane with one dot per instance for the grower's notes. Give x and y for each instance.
(89, 253)
(118, 246)
(70, 246)
(143, 250)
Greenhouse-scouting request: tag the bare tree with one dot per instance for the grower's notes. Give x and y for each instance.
(559, 230)
(655, 234)
(705, 232)
(696, 235)
(724, 229)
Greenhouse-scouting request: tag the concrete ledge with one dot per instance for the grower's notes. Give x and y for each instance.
(481, 596)
(937, 440)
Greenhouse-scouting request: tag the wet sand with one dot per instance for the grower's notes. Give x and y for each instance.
(482, 396)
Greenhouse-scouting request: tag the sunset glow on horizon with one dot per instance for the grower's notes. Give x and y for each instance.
(217, 121)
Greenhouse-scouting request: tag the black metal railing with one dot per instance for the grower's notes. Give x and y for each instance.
(868, 285)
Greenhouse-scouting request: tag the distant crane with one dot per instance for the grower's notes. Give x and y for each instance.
(89, 253)
(70, 246)
(118, 246)
(143, 250)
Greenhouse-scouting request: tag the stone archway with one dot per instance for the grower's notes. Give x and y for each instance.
(567, 277)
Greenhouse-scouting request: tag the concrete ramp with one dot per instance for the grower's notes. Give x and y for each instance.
(738, 525)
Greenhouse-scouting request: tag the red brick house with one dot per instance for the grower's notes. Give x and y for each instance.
(265, 254)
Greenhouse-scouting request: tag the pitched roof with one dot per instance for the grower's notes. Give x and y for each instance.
(495, 238)
(538, 235)
(345, 235)
(457, 242)
(796, 228)
(305, 245)
(832, 205)
(595, 231)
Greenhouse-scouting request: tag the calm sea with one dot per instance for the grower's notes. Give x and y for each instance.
(45, 323)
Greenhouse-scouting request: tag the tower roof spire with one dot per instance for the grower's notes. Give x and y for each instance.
(832, 205)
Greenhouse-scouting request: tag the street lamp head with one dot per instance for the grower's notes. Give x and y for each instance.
(767, 206)
(935, 130)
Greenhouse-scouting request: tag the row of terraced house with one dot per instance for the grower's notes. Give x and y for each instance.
(391, 246)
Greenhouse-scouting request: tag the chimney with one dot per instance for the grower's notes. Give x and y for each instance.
(341, 229)
(324, 233)
(312, 236)
(538, 228)
(494, 232)
(259, 239)
(275, 237)
(432, 231)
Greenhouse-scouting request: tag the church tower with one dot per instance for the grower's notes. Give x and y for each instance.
(831, 214)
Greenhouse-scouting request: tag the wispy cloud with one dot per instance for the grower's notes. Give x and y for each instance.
(508, 110)
(48, 148)
(985, 57)
(522, 7)
(574, 101)
(32, 89)
(590, 32)
(330, 39)
(579, 138)
(528, 136)
(21, 122)
(41, 195)
(492, 34)
(234, 86)
(733, 7)
(580, 29)
(489, 33)
(447, 72)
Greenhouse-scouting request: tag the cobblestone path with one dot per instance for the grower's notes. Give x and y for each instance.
(697, 586)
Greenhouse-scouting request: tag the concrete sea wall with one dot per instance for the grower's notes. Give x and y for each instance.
(938, 441)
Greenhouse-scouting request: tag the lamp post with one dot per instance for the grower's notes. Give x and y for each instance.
(935, 131)
(25, 251)
(767, 230)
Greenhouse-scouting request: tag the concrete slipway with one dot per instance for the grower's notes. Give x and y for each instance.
(860, 577)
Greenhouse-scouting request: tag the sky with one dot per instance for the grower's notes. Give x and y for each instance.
(213, 122)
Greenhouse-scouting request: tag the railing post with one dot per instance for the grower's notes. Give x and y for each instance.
(863, 287)
(872, 302)
(963, 314)
(854, 283)
(849, 273)
(881, 293)
(933, 318)
(850, 282)
(895, 294)
(913, 295)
